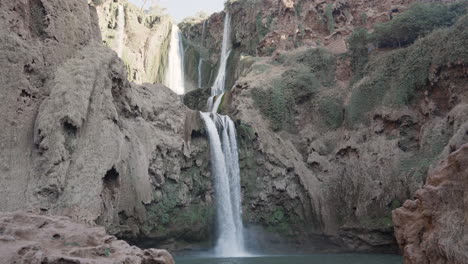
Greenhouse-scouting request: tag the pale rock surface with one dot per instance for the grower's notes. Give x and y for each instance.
(146, 38)
(28, 239)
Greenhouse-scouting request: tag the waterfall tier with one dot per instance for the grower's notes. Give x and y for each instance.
(175, 77)
(219, 85)
(226, 174)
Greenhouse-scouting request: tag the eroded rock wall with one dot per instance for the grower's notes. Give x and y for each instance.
(431, 228)
(78, 139)
(146, 38)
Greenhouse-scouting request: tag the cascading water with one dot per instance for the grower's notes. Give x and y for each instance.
(120, 30)
(200, 74)
(200, 62)
(225, 169)
(204, 32)
(225, 163)
(220, 82)
(175, 78)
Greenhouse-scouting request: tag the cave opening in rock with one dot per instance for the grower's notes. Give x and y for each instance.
(111, 179)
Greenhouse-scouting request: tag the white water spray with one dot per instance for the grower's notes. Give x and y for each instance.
(204, 33)
(120, 30)
(225, 163)
(220, 82)
(200, 73)
(225, 169)
(175, 78)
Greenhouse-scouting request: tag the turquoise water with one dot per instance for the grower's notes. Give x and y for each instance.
(297, 259)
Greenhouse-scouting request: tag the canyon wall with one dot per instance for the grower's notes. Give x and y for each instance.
(331, 144)
(78, 139)
(336, 127)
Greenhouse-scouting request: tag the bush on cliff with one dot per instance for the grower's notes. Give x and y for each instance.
(358, 50)
(394, 78)
(418, 21)
(308, 71)
(403, 30)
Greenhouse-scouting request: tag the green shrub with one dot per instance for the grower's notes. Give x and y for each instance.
(395, 77)
(312, 69)
(358, 50)
(298, 7)
(364, 18)
(277, 103)
(262, 30)
(418, 21)
(331, 111)
(320, 62)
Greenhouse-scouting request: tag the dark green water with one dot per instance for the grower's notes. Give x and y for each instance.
(297, 259)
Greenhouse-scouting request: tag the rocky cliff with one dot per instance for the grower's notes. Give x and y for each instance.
(431, 228)
(338, 129)
(27, 238)
(143, 40)
(337, 125)
(262, 27)
(78, 139)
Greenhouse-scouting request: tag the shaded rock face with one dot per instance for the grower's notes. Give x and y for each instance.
(79, 139)
(28, 238)
(146, 39)
(432, 227)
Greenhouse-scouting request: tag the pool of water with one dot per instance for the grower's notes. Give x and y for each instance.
(296, 259)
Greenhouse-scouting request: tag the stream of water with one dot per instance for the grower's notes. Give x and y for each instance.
(175, 77)
(225, 163)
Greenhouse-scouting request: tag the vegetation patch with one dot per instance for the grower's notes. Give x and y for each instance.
(433, 144)
(332, 112)
(309, 71)
(420, 20)
(394, 78)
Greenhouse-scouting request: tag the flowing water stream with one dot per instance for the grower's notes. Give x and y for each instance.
(200, 74)
(175, 78)
(225, 163)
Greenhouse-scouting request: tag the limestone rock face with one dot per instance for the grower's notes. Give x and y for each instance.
(432, 228)
(145, 40)
(78, 139)
(28, 238)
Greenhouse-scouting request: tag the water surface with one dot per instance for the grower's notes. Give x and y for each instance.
(297, 259)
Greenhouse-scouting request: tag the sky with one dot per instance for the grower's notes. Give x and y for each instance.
(180, 9)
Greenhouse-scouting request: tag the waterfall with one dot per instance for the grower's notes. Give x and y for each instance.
(220, 82)
(225, 163)
(225, 170)
(200, 74)
(175, 78)
(120, 30)
(203, 33)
